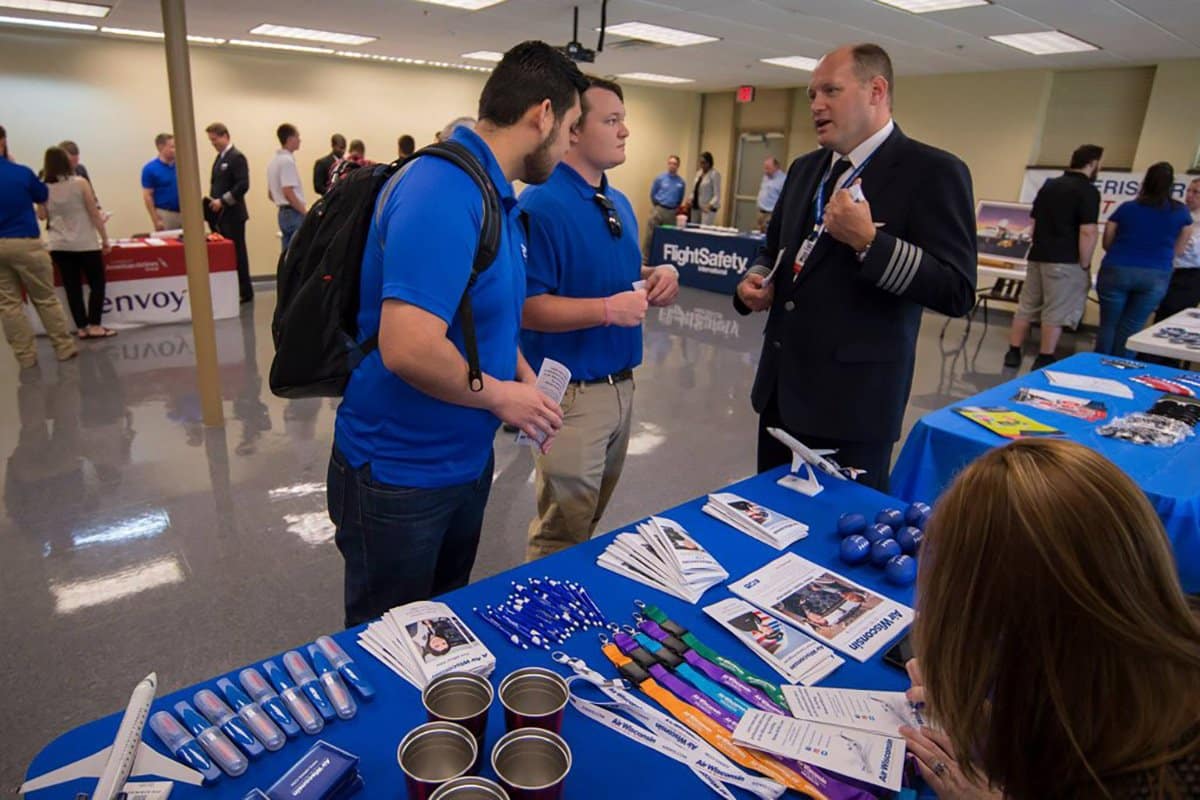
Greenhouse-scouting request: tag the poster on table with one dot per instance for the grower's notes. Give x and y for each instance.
(1004, 231)
(1115, 186)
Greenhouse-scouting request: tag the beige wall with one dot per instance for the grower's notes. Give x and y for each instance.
(1171, 131)
(110, 96)
(1096, 106)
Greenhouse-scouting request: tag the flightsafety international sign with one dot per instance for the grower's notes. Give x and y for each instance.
(705, 260)
(1115, 187)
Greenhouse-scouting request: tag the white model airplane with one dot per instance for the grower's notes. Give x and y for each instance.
(807, 458)
(127, 755)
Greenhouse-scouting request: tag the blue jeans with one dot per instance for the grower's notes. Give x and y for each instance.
(289, 223)
(1128, 296)
(402, 544)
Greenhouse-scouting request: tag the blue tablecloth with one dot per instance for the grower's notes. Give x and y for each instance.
(943, 442)
(710, 261)
(374, 734)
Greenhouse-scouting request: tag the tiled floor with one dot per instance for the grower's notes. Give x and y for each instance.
(134, 539)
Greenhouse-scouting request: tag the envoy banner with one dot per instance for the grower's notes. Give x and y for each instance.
(1115, 187)
(709, 261)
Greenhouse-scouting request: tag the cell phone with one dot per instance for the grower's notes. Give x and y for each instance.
(899, 654)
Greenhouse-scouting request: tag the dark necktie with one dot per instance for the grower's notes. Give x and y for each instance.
(835, 176)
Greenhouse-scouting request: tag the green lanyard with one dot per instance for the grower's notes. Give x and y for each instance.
(655, 613)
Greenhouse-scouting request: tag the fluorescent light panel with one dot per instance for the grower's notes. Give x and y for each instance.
(658, 34)
(467, 5)
(47, 23)
(299, 48)
(654, 77)
(311, 34)
(793, 62)
(483, 55)
(141, 34)
(418, 62)
(58, 7)
(928, 6)
(1044, 43)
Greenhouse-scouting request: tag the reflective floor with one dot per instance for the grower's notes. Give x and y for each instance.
(134, 539)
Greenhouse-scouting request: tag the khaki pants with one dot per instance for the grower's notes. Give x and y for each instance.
(764, 219)
(24, 263)
(661, 216)
(171, 220)
(576, 478)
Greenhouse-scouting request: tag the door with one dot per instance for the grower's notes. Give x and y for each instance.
(753, 150)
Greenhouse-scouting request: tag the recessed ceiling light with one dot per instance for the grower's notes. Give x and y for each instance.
(299, 48)
(793, 62)
(414, 61)
(47, 23)
(58, 7)
(654, 77)
(658, 34)
(311, 35)
(1044, 43)
(483, 55)
(467, 5)
(927, 6)
(141, 34)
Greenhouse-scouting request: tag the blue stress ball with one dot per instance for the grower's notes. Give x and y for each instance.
(850, 524)
(890, 516)
(883, 550)
(900, 570)
(916, 514)
(855, 549)
(909, 539)
(878, 532)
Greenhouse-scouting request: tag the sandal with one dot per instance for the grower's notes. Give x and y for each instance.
(107, 333)
(83, 334)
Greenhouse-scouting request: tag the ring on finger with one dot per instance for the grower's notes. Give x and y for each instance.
(940, 769)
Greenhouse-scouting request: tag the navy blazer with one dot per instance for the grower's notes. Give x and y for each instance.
(230, 182)
(840, 340)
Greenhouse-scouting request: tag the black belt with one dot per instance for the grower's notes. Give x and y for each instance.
(611, 380)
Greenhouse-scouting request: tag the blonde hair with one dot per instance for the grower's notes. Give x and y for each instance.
(1057, 647)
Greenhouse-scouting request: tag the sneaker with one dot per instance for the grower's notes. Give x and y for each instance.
(1044, 360)
(1013, 357)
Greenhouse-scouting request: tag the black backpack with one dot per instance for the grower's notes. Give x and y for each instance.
(315, 326)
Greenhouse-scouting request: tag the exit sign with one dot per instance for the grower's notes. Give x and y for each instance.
(745, 94)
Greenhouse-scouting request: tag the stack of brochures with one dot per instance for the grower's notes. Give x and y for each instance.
(420, 641)
(769, 527)
(663, 556)
(792, 653)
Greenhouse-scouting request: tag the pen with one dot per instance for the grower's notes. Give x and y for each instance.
(337, 692)
(258, 688)
(303, 675)
(301, 709)
(255, 718)
(216, 744)
(345, 665)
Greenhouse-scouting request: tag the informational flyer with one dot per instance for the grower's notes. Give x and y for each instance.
(552, 381)
(794, 655)
(1006, 422)
(420, 641)
(869, 757)
(770, 527)
(863, 710)
(832, 608)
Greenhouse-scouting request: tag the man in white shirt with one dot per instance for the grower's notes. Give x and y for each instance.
(283, 183)
(768, 191)
(1184, 290)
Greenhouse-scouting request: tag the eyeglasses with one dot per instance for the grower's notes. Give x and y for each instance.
(610, 214)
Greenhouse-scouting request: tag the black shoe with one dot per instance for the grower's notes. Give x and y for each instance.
(1013, 357)
(1044, 360)
(247, 298)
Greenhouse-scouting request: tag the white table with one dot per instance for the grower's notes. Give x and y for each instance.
(1146, 342)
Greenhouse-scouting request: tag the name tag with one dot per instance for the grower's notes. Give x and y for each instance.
(806, 248)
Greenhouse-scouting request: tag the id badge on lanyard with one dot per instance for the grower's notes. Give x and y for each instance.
(806, 248)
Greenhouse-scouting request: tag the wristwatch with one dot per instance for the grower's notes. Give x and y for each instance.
(861, 255)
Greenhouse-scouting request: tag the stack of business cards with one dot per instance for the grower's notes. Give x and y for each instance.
(420, 641)
(768, 526)
(793, 654)
(663, 556)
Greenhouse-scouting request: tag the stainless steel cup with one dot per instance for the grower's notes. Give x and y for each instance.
(434, 753)
(534, 698)
(532, 764)
(461, 697)
(470, 789)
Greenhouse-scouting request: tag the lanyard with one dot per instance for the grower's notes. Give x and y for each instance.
(730, 702)
(656, 614)
(819, 202)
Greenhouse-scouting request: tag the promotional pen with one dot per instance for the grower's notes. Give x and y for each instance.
(255, 718)
(301, 709)
(183, 746)
(219, 748)
(345, 665)
(303, 675)
(262, 693)
(335, 690)
(215, 711)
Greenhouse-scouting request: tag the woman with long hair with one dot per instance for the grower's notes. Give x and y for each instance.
(77, 240)
(1141, 239)
(1058, 655)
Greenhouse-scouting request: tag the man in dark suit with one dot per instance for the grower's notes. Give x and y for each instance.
(227, 205)
(845, 276)
(324, 165)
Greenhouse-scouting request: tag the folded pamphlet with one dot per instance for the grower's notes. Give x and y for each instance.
(423, 640)
(790, 652)
(769, 527)
(663, 556)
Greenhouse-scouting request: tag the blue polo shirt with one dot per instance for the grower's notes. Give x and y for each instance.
(572, 253)
(1146, 235)
(419, 249)
(19, 190)
(161, 178)
(667, 190)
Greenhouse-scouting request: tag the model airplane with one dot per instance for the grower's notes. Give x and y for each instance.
(126, 756)
(807, 458)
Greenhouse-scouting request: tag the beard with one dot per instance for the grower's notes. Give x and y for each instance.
(540, 164)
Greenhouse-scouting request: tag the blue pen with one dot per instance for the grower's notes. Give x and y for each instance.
(733, 704)
(303, 675)
(535, 638)
(215, 711)
(183, 746)
(345, 665)
(255, 718)
(301, 709)
(222, 751)
(262, 693)
(335, 690)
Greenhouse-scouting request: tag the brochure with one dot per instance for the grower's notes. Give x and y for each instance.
(794, 655)
(420, 641)
(769, 527)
